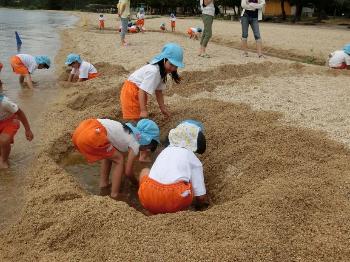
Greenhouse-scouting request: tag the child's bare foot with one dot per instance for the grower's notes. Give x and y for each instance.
(4, 164)
(119, 197)
(105, 190)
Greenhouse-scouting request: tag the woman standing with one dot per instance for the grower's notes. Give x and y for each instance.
(208, 13)
(124, 13)
(251, 15)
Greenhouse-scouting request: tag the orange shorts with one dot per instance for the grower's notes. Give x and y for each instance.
(90, 139)
(159, 198)
(343, 66)
(140, 22)
(17, 66)
(189, 31)
(172, 23)
(93, 75)
(129, 101)
(102, 24)
(10, 127)
(1, 66)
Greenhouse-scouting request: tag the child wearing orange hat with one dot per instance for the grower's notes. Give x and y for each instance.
(10, 117)
(176, 177)
(111, 141)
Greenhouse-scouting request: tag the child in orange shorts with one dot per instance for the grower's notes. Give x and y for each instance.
(101, 20)
(25, 65)
(194, 32)
(176, 177)
(172, 22)
(140, 23)
(150, 80)
(111, 141)
(81, 70)
(10, 117)
(162, 27)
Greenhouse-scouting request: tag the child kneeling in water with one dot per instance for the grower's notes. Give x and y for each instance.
(340, 59)
(81, 70)
(110, 141)
(177, 174)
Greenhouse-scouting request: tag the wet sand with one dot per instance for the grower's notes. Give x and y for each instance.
(277, 166)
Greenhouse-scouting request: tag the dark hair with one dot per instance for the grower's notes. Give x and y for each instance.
(201, 143)
(126, 128)
(174, 75)
(46, 66)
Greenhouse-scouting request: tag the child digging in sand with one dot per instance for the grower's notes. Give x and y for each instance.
(194, 32)
(162, 27)
(150, 80)
(10, 116)
(340, 59)
(81, 70)
(176, 177)
(111, 141)
(25, 65)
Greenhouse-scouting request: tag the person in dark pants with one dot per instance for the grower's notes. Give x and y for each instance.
(251, 15)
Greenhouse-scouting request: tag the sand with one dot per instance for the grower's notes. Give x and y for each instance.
(277, 167)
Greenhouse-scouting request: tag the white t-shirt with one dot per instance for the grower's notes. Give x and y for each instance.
(148, 79)
(7, 108)
(141, 16)
(101, 18)
(119, 137)
(194, 30)
(338, 58)
(209, 9)
(173, 19)
(29, 62)
(84, 70)
(175, 164)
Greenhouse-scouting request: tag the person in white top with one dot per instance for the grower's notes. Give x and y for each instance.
(340, 59)
(208, 13)
(251, 15)
(81, 70)
(176, 176)
(172, 22)
(111, 141)
(150, 80)
(101, 20)
(25, 65)
(10, 117)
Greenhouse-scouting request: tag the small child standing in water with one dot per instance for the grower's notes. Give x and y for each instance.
(101, 20)
(176, 176)
(10, 117)
(111, 142)
(81, 70)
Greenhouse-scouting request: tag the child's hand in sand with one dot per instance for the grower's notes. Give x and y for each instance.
(165, 112)
(29, 135)
(144, 114)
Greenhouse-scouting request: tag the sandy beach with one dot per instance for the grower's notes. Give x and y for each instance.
(277, 166)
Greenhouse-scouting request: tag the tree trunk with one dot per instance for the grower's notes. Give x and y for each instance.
(284, 17)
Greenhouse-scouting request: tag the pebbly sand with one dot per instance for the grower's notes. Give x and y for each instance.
(277, 166)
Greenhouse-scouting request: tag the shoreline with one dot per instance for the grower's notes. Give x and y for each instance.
(278, 189)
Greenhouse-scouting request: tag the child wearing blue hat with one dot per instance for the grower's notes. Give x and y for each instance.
(25, 65)
(111, 141)
(176, 177)
(81, 70)
(151, 80)
(340, 59)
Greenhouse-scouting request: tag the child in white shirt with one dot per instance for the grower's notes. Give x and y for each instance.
(340, 59)
(101, 20)
(81, 70)
(172, 22)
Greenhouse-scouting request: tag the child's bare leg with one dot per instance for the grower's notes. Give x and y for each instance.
(106, 166)
(21, 79)
(118, 159)
(5, 145)
(144, 172)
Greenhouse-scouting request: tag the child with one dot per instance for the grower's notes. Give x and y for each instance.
(110, 141)
(81, 70)
(10, 113)
(340, 59)
(141, 19)
(177, 174)
(1, 66)
(25, 65)
(101, 20)
(172, 22)
(162, 27)
(194, 32)
(149, 80)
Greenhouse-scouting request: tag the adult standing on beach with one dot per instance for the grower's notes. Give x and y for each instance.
(124, 13)
(208, 13)
(251, 15)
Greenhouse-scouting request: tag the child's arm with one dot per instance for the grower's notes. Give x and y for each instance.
(22, 117)
(70, 78)
(160, 100)
(129, 166)
(143, 105)
(29, 81)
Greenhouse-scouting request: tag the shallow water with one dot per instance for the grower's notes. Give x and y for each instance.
(39, 31)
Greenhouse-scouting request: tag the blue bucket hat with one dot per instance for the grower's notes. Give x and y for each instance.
(145, 131)
(194, 122)
(43, 60)
(173, 52)
(71, 58)
(347, 49)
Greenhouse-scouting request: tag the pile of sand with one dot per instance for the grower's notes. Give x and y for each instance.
(279, 192)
